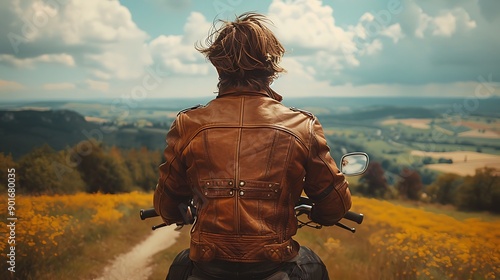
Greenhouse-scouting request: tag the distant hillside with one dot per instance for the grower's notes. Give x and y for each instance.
(340, 105)
(21, 131)
(369, 116)
(390, 111)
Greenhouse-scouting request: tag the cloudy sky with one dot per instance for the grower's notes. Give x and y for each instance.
(145, 49)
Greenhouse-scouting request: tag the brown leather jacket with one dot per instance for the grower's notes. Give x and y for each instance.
(246, 158)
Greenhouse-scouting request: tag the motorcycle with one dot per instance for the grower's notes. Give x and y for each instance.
(351, 164)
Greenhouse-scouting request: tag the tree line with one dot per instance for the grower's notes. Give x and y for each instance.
(113, 170)
(478, 192)
(99, 169)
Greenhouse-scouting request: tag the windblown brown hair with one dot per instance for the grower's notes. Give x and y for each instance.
(245, 52)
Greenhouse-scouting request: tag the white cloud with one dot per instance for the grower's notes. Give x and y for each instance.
(10, 85)
(370, 27)
(446, 24)
(99, 74)
(30, 62)
(416, 45)
(171, 4)
(97, 85)
(99, 36)
(464, 19)
(394, 32)
(371, 48)
(308, 29)
(83, 22)
(177, 53)
(58, 86)
(359, 50)
(195, 29)
(307, 24)
(296, 69)
(122, 61)
(423, 21)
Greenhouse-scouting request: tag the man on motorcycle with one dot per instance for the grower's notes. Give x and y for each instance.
(245, 159)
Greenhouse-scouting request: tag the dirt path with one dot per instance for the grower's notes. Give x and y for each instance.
(134, 264)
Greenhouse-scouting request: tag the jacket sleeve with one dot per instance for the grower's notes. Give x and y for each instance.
(324, 183)
(172, 188)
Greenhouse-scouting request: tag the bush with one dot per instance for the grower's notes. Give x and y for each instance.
(41, 174)
(373, 182)
(444, 189)
(480, 192)
(104, 172)
(445, 160)
(428, 160)
(409, 184)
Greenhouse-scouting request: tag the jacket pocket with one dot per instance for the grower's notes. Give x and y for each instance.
(202, 252)
(217, 214)
(259, 213)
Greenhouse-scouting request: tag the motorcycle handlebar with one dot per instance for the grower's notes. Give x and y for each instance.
(148, 213)
(301, 209)
(355, 217)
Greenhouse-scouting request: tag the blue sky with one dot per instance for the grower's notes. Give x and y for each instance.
(54, 49)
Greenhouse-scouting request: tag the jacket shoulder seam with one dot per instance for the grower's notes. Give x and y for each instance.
(189, 109)
(307, 113)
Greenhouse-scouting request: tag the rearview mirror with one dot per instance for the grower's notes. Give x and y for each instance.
(353, 164)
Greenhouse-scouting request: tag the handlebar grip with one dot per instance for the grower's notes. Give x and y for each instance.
(355, 217)
(148, 213)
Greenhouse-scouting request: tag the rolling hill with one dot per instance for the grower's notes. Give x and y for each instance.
(21, 131)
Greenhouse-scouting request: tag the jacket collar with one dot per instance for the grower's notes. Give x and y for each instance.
(249, 91)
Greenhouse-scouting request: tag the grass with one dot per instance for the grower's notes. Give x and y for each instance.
(397, 240)
(448, 210)
(162, 260)
(346, 255)
(58, 237)
(101, 248)
(78, 236)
